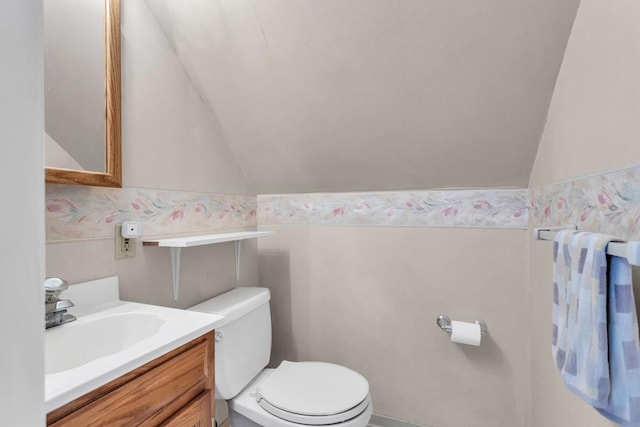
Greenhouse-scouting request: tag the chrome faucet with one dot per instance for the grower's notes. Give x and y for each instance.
(55, 309)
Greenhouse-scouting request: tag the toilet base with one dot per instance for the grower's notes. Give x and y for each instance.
(236, 419)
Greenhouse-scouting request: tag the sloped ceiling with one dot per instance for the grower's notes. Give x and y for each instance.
(347, 95)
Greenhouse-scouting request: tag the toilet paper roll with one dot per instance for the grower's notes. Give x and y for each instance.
(465, 333)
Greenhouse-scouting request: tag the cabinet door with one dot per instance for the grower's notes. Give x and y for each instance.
(195, 414)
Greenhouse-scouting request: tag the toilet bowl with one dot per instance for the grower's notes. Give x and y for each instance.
(294, 393)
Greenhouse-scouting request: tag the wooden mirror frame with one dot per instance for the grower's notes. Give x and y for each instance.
(112, 177)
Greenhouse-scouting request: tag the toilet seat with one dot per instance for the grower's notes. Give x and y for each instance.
(311, 393)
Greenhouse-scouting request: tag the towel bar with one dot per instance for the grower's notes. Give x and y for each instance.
(628, 250)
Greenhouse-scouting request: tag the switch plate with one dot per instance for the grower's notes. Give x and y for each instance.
(125, 247)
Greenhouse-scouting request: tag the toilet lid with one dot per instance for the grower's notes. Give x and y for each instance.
(314, 392)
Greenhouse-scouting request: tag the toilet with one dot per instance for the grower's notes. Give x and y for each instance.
(293, 394)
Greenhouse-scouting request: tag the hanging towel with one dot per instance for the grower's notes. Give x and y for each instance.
(623, 406)
(579, 345)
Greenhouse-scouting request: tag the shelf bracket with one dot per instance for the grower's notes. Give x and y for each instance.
(238, 252)
(177, 243)
(175, 271)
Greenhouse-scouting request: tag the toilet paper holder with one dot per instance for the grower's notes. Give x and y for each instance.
(445, 324)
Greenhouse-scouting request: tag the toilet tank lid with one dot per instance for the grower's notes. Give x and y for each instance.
(235, 303)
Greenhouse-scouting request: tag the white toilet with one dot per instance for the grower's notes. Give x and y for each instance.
(295, 393)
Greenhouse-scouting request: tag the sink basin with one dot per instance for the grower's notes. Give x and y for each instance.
(96, 338)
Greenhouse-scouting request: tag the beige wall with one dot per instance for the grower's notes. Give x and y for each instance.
(170, 142)
(592, 124)
(459, 86)
(368, 298)
(22, 207)
(171, 139)
(592, 127)
(205, 271)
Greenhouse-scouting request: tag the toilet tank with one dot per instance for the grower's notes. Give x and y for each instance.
(243, 343)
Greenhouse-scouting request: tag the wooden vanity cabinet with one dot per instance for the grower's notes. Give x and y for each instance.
(173, 390)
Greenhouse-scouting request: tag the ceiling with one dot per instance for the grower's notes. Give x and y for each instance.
(352, 95)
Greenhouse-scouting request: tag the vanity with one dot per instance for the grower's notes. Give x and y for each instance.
(172, 390)
(123, 363)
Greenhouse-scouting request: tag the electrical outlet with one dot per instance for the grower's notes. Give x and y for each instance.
(125, 247)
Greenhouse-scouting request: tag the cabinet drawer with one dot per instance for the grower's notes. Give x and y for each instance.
(154, 395)
(196, 414)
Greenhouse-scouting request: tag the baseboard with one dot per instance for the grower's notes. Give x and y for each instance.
(375, 421)
(380, 421)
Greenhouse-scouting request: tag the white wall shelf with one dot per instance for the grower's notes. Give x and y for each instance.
(175, 244)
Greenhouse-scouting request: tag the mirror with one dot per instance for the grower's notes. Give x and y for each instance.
(82, 92)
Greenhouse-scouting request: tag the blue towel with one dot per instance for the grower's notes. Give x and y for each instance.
(580, 314)
(623, 406)
(597, 355)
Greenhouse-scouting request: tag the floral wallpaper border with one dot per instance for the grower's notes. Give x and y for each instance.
(607, 203)
(80, 212)
(503, 208)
